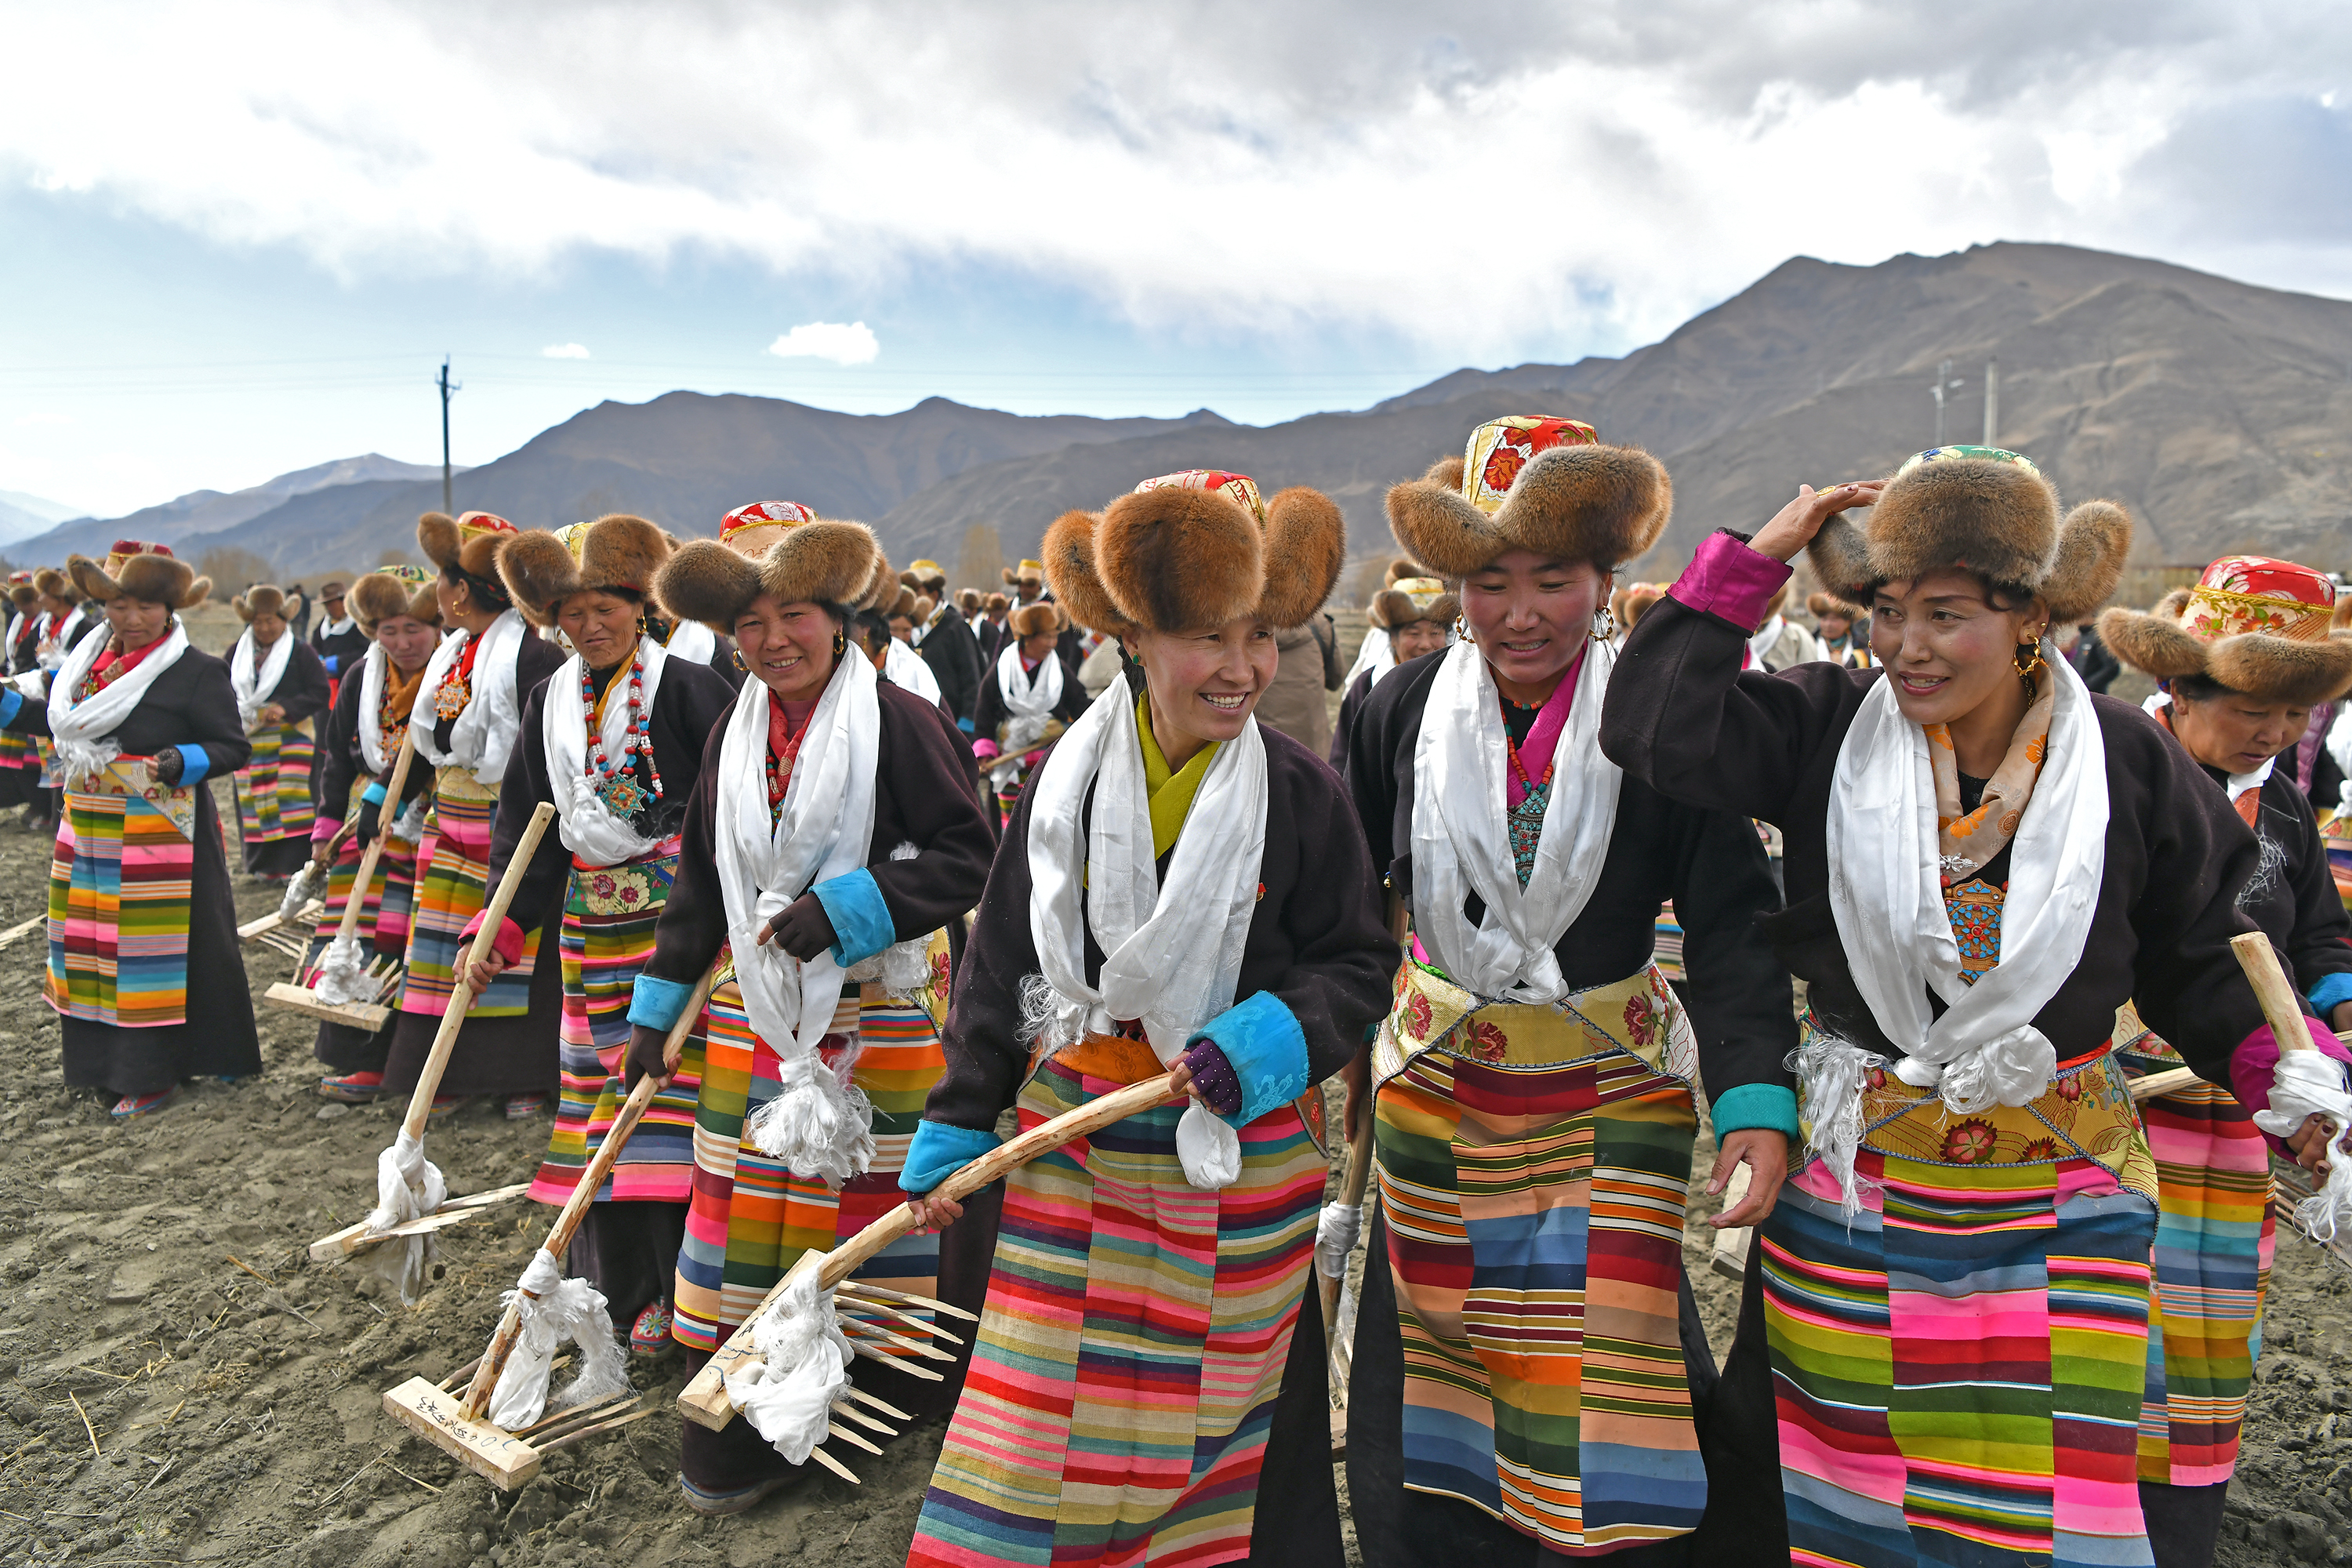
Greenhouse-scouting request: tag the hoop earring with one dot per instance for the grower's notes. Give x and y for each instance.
(738, 656)
(1462, 631)
(840, 644)
(2029, 664)
(1604, 623)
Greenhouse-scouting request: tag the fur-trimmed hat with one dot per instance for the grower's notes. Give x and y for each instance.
(1524, 483)
(1984, 510)
(1411, 599)
(1820, 605)
(1197, 549)
(261, 599)
(471, 543)
(1030, 572)
(967, 601)
(927, 572)
(24, 595)
(541, 569)
(50, 582)
(392, 590)
(902, 606)
(1401, 567)
(334, 588)
(805, 560)
(996, 605)
(2256, 625)
(141, 570)
(1034, 620)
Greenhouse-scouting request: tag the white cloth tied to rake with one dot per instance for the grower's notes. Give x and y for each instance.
(787, 1394)
(2306, 1083)
(554, 1310)
(407, 1186)
(1336, 1231)
(343, 976)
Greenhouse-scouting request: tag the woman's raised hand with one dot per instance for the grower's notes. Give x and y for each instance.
(1794, 527)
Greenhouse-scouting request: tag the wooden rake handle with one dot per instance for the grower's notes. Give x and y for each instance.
(375, 847)
(2281, 1008)
(461, 995)
(583, 1193)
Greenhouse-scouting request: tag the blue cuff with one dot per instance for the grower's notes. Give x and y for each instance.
(656, 1003)
(1262, 1039)
(331, 661)
(938, 1152)
(2331, 989)
(862, 925)
(965, 725)
(1771, 1106)
(195, 763)
(374, 792)
(9, 703)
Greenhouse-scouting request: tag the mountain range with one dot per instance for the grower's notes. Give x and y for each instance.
(182, 520)
(2219, 413)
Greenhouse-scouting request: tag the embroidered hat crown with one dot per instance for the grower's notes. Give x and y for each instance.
(749, 530)
(1499, 449)
(2255, 624)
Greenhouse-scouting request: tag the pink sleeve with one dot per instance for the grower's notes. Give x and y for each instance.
(507, 943)
(2253, 1066)
(322, 830)
(1726, 578)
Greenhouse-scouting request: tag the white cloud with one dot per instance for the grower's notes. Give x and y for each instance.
(564, 351)
(850, 344)
(1394, 166)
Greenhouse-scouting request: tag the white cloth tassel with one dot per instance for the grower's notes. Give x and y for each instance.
(1831, 1072)
(407, 1186)
(1209, 1147)
(1336, 1232)
(2306, 1083)
(308, 883)
(342, 971)
(819, 1124)
(410, 827)
(787, 1394)
(554, 1310)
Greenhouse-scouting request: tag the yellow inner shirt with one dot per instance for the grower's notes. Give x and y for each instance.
(1171, 790)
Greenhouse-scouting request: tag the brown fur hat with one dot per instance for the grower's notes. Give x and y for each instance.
(471, 543)
(909, 580)
(1195, 549)
(261, 599)
(902, 607)
(996, 605)
(1401, 567)
(24, 595)
(881, 590)
(143, 571)
(1639, 597)
(1392, 608)
(541, 569)
(967, 601)
(1570, 502)
(378, 596)
(1034, 620)
(1828, 606)
(2279, 649)
(50, 582)
(821, 561)
(1995, 516)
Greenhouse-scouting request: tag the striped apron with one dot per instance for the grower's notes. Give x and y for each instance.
(1534, 1164)
(1124, 1379)
(273, 790)
(453, 884)
(609, 916)
(750, 1218)
(120, 881)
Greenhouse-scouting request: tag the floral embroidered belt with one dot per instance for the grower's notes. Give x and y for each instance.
(1639, 1015)
(133, 778)
(459, 784)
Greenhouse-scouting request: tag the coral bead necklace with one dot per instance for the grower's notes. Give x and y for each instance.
(617, 783)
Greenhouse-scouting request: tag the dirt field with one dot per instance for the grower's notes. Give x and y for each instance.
(159, 1403)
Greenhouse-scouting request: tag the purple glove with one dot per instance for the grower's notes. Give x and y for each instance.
(1213, 1076)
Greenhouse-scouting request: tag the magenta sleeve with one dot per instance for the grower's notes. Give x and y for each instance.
(1726, 578)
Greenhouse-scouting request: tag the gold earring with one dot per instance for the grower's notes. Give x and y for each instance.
(1462, 631)
(738, 656)
(2029, 664)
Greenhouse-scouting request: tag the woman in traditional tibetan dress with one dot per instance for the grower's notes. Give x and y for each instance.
(474, 689)
(901, 665)
(1026, 699)
(832, 835)
(339, 639)
(397, 608)
(1374, 656)
(1950, 1303)
(20, 762)
(143, 970)
(66, 621)
(281, 689)
(1415, 618)
(1180, 888)
(1844, 630)
(2240, 660)
(1535, 1082)
(614, 739)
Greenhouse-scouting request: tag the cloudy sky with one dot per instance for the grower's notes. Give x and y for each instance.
(238, 238)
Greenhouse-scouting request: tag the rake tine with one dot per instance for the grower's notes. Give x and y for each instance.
(835, 1466)
(579, 1412)
(931, 1329)
(866, 1288)
(582, 1434)
(849, 1412)
(449, 1383)
(889, 1337)
(900, 1364)
(852, 1438)
(854, 1392)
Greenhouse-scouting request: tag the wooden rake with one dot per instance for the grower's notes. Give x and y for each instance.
(353, 1238)
(384, 973)
(460, 1424)
(867, 1311)
(1339, 1296)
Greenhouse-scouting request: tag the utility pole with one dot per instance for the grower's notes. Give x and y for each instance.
(448, 386)
(1992, 403)
(1943, 381)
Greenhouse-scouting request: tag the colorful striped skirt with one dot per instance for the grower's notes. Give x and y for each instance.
(1959, 1372)
(20, 767)
(453, 884)
(1534, 1163)
(1123, 1383)
(2339, 856)
(751, 1218)
(121, 881)
(609, 915)
(273, 790)
(2216, 1234)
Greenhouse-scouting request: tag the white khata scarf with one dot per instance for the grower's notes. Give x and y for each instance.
(1173, 952)
(1378, 654)
(56, 635)
(371, 676)
(1462, 834)
(83, 734)
(254, 689)
(1031, 703)
(1886, 893)
(693, 642)
(589, 829)
(335, 628)
(818, 1124)
(903, 666)
(483, 737)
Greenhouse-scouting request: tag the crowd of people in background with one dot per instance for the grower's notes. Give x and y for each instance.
(1869, 880)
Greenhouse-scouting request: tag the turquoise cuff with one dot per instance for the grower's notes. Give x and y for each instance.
(10, 702)
(195, 763)
(1771, 1106)
(2331, 989)
(939, 1151)
(656, 1003)
(374, 792)
(1262, 1040)
(862, 925)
